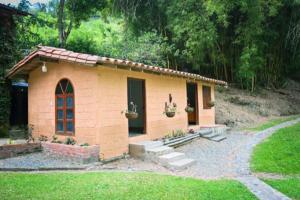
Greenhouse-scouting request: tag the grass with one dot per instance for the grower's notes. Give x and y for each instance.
(273, 122)
(290, 187)
(116, 185)
(280, 153)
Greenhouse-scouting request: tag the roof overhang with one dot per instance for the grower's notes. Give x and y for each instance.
(51, 54)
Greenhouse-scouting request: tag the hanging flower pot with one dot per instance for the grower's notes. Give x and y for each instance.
(189, 109)
(211, 104)
(170, 114)
(131, 115)
(170, 108)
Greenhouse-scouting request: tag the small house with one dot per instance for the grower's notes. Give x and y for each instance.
(86, 97)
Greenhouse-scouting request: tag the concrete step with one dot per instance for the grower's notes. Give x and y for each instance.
(181, 164)
(181, 141)
(152, 144)
(204, 132)
(158, 151)
(171, 157)
(211, 135)
(138, 149)
(218, 138)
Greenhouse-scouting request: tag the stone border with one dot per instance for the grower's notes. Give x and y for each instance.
(13, 150)
(260, 189)
(81, 154)
(17, 169)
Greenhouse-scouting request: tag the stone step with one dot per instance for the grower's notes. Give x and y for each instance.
(152, 144)
(181, 141)
(138, 149)
(218, 138)
(211, 135)
(171, 157)
(158, 151)
(181, 164)
(204, 132)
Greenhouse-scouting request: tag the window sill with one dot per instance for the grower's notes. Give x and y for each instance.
(65, 133)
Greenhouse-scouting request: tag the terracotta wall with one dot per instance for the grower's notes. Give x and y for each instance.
(41, 102)
(100, 96)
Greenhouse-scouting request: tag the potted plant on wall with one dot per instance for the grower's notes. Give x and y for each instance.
(131, 113)
(170, 108)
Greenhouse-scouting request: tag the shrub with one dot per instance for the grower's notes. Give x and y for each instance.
(55, 140)
(70, 141)
(43, 138)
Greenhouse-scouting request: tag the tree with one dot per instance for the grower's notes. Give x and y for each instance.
(72, 12)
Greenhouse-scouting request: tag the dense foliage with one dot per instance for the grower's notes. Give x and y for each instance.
(7, 53)
(247, 42)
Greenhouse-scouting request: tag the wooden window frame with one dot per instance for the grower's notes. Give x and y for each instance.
(206, 99)
(64, 108)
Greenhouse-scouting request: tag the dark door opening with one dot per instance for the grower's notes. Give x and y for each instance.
(19, 105)
(192, 101)
(136, 94)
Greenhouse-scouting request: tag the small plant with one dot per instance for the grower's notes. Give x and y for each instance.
(55, 140)
(70, 141)
(29, 137)
(10, 141)
(131, 113)
(175, 134)
(191, 131)
(43, 138)
(170, 108)
(178, 133)
(85, 145)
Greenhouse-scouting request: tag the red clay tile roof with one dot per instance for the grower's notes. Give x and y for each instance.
(93, 60)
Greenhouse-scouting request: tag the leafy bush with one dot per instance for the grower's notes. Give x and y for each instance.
(43, 138)
(55, 140)
(70, 141)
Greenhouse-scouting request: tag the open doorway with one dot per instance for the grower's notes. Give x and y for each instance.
(192, 101)
(136, 94)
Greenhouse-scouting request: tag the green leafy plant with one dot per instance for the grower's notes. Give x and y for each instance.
(43, 138)
(10, 141)
(85, 145)
(55, 140)
(131, 113)
(70, 141)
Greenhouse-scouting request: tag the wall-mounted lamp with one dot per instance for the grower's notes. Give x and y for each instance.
(44, 67)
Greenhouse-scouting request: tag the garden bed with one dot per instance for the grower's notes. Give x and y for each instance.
(13, 150)
(82, 154)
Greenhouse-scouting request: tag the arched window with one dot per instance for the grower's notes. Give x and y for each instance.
(64, 107)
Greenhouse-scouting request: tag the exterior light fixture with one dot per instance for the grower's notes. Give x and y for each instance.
(44, 68)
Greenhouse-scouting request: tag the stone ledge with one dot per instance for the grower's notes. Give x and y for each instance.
(13, 150)
(82, 154)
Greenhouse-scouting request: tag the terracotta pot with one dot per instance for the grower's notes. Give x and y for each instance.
(170, 114)
(189, 109)
(131, 115)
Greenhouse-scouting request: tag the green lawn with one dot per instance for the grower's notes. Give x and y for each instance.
(280, 153)
(290, 187)
(273, 122)
(116, 185)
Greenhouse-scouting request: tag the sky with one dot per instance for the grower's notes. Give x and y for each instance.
(16, 2)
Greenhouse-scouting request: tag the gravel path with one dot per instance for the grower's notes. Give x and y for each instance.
(37, 161)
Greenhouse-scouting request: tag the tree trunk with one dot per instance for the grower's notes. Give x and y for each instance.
(60, 23)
